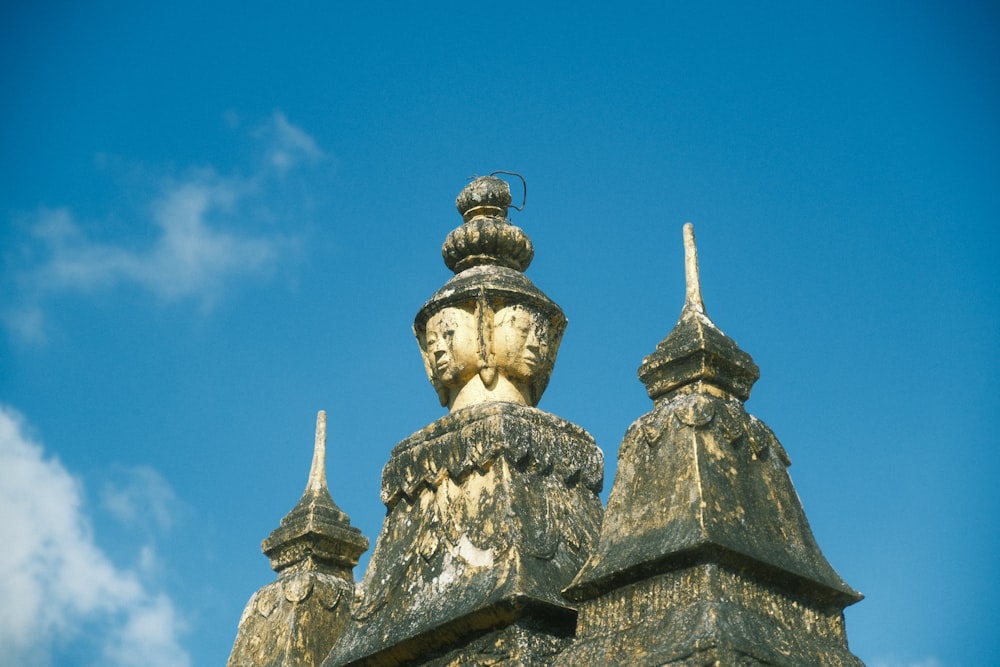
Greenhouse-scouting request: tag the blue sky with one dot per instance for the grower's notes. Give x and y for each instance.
(217, 220)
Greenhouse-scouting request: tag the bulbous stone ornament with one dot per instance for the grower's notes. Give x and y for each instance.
(487, 237)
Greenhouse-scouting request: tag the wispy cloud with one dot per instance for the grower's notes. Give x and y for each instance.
(290, 144)
(139, 497)
(58, 581)
(189, 256)
(929, 661)
(197, 236)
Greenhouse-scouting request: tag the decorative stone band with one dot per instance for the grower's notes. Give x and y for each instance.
(333, 548)
(707, 614)
(498, 285)
(473, 438)
(710, 583)
(727, 419)
(697, 350)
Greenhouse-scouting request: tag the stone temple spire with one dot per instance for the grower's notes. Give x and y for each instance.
(491, 509)
(697, 351)
(692, 279)
(705, 555)
(295, 620)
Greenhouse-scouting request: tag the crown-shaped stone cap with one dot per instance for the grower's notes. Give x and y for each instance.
(486, 237)
(696, 350)
(316, 534)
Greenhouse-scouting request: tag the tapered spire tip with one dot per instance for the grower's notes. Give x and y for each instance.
(317, 473)
(692, 297)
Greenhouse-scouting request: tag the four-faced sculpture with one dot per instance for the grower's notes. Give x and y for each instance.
(485, 351)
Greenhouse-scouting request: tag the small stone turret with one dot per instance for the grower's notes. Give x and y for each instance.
(294, 621)
(705, 555)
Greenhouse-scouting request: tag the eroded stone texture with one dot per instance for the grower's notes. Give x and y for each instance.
(491, 511)
(705, 555)
(294, 621)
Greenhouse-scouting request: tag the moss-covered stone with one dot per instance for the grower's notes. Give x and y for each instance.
(491, 512)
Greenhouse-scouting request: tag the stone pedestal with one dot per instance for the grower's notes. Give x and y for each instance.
(491, 512)
(706, 557)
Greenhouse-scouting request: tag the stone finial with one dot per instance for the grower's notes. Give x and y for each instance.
(697, 351)
(486, 196)
(316, 534)
(692, 295)
(317, 472)
(486, 237)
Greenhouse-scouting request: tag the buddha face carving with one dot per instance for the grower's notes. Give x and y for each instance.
(486, 350)
(520, 342)
(452, 347)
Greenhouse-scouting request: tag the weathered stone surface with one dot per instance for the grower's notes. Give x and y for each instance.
(294, 621)
(705, 555)
(495, 549)
(707, 614)
(527, 642)
(491, 511)
(699, 476)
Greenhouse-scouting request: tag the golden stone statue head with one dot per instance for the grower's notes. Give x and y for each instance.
(494, 347)
(488, 334)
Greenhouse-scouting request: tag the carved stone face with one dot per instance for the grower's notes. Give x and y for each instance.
(453, 346)
(520, 342)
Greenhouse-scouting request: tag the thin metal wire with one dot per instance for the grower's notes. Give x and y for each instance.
(524, 183)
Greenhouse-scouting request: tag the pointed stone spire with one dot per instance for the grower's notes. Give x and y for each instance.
(294, 621)
(316, 534)
(705, 554)
(692, 291)
(696, 351)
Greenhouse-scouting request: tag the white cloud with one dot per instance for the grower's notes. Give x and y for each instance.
(26, 323)
(192, 240)
(189, 257)
(58, 580)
